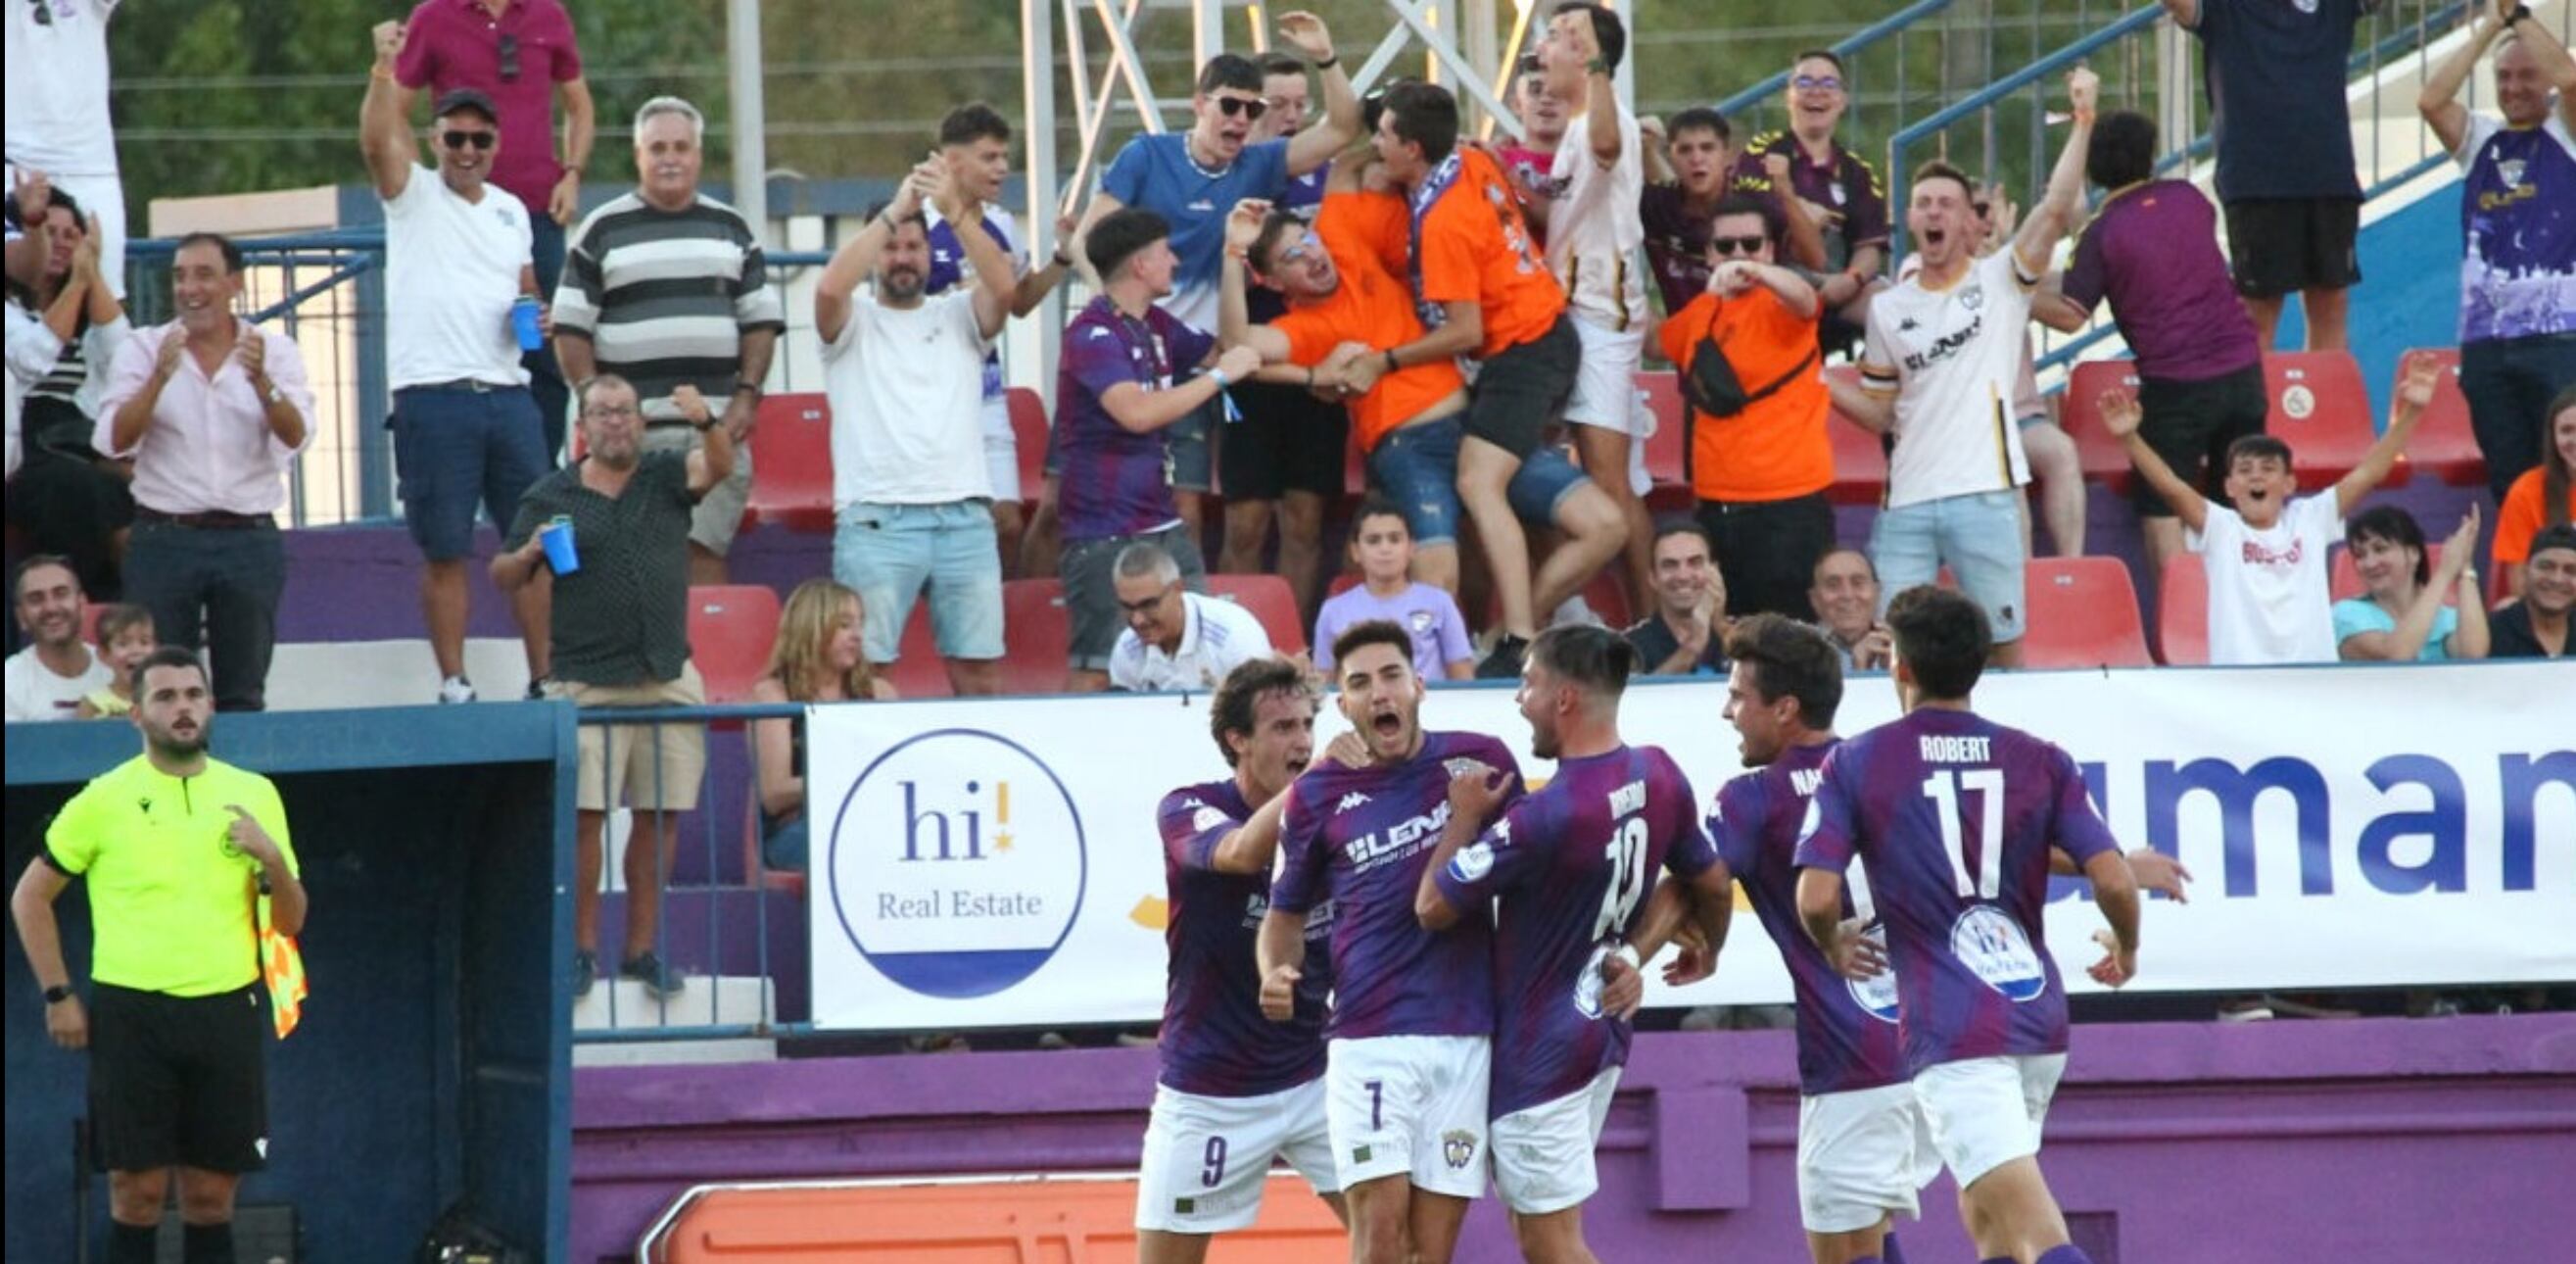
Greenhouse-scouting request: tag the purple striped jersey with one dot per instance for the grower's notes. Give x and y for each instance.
(1846, 1029)
(1569, 867)
(1360, 837)
(1215, 1041)
(1952, 817)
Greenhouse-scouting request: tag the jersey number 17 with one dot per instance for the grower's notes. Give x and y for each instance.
(1946, 790)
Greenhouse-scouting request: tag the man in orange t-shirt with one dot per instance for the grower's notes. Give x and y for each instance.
(1760, 473)
(1342, 304)
(1482, 291)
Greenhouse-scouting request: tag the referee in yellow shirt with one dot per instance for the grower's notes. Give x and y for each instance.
(178, 848)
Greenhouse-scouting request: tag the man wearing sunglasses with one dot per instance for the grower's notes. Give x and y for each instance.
(1191, 179)
(1835, 188)
(58, 121)
(522, 55)
(457, 265)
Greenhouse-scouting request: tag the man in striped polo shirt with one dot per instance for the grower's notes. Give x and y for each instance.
(666, 287)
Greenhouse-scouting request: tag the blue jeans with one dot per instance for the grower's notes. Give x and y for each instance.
(545, 377)
(1417, 468)
(454, 446)
(225, 581)
(888, 554)
(2509, 383)
(1978, 536)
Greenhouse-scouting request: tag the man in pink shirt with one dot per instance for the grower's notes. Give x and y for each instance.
(521, 54)
(212, 411)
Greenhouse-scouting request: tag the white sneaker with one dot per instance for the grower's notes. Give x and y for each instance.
(455, 689)
(1574, 611)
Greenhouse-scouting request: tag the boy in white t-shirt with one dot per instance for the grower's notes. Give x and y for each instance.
(2268, 582)
(1595, 236)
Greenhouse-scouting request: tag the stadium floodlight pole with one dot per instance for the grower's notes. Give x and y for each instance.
(750, 114)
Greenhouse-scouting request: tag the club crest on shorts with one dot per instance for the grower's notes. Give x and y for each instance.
(1458, 1148)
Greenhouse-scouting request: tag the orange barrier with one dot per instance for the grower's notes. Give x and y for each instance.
(1060, 1219)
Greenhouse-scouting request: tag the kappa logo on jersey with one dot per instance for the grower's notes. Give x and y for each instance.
(1349, 801)
(1457, 1148)
(1209, 818)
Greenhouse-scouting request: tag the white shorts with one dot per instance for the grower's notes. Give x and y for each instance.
(1543, 1155)
(1207, 1158)
(1986, 1112)
(1001, 450)
(1410, 1106)
(1605, 394)
(1861, 1155)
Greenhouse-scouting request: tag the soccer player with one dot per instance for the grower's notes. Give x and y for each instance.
(1571, 865)
(1236, 1089)
(1952, 817)
(1409, 1044)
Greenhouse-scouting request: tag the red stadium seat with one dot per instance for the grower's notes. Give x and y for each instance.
(2443, 444)
(2344, 578)
(1667, 453)
(731, 630)
(2082, 612)
(2182, 612)
(1270, 600)
(2104, 459)
(1037, 635)
(918, 671)
(1860, 459)
(791, 463)
(2319, 408)
(1028, 438)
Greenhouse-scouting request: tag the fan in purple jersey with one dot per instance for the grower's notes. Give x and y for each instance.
(1409, 1045)
(1237, 1089)
(1566, 869)
(1953, 817)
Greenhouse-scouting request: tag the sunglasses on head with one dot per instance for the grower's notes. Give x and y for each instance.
(509, 58)
(1250, 108)
(1820, 83)
(455, 138)
(1737, 245)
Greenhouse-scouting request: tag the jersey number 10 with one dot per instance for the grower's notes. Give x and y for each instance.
(1627, 854)
(1945, 789)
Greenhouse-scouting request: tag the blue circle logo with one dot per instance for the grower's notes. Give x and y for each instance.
(956, 863)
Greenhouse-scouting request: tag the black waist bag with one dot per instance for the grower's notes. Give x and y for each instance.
(1711, 386)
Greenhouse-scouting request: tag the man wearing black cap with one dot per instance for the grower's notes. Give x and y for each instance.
(458, 274)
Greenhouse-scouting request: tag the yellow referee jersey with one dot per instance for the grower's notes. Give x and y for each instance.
(170, 897)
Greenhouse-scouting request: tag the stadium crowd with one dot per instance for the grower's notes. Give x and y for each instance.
(1299, 272)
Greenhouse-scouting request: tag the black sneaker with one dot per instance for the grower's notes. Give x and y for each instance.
(1504, 661)
(660, 981)
(537, 689)
(585, 971)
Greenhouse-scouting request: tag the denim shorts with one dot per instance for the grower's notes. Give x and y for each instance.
(1978, 536)
(1417, 468)
(1193, 461)
(455, 446)
(888, 554)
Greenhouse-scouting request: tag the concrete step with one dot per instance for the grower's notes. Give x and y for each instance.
(721, 1000)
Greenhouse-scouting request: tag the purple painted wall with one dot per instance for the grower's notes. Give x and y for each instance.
(2364, 1140)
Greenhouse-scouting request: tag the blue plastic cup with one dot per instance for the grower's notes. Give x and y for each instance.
(556, 536)
(523, 322)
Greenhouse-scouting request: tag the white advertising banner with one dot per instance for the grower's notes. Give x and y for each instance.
(996, 863)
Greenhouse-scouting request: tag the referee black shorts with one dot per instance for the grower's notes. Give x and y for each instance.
(178, 1080)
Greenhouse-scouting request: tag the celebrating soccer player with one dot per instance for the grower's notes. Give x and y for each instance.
(1952, 817)
(1409, 1044)
(1570, 864)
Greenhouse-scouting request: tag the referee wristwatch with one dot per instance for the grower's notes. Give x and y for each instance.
(58, 993)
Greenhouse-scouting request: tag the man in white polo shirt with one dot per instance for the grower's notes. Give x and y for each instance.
(913, 494)
(465, 428)
(1944, 354)
(1175, 638)
(1594, 235)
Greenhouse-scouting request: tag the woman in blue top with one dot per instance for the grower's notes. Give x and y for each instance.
(2403, 617)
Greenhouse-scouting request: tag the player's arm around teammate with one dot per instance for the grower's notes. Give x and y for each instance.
(1476, 797)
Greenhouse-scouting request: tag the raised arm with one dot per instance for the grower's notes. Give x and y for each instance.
(995, 287)
(1600, 98)
(2439, 101)
(1041, 281)
(1738, 275)
(2063, 204)
(2402, 643)
(384, 125)
(1340, 125)
(837, 288)
(1803, 236)
(1656, 150)
(1234, 279)
(2120, 416)
(711, 462)
(2555, 65)
(2186, 13)
(1248, 848)
(2414, 395)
